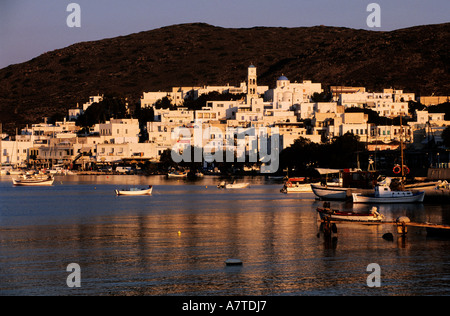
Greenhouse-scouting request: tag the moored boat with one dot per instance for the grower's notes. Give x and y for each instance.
(296, 185)
(34, 180)
(350, 181)
(384, 194)
(329, 192)
(234, 185)
(177, 174)
(327, 213)
(135, 191)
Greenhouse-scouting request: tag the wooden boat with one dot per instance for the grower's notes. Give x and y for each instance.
(234, 185)
(326, 192)
(177, 174)
(135, 191)
(34, 180)
(383, 194)
(327, 213)
(296, 185)
(350, 180)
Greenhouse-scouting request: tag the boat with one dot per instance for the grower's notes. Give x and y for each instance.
(234, 185)
(326, 212)
(329, 192)
(350, 181)
(177, 174)
(34, 180)
(296, 185)
(384, 194)
(135, 191)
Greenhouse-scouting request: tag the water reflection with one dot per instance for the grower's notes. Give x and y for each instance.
(177, 240)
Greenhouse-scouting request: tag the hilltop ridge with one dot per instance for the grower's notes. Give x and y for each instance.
(415, 59)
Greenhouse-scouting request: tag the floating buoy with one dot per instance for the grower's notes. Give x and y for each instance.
(233, 262)
(388, 237)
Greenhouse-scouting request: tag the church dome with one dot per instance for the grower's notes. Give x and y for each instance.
(282, 78)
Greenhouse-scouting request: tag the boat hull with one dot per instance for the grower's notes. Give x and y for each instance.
(329, 193)
(134, 193)
(415, 198)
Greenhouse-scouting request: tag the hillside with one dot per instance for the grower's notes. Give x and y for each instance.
(415, 59)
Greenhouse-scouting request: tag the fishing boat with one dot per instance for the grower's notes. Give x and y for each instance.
(135, 191)
(234, 185)
(350, 181)
(34, 180)
(296, 185)
(327, 213)
(384, 194)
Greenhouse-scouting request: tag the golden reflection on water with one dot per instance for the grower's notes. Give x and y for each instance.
(176, 242)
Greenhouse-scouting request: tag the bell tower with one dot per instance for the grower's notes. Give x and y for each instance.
(251, 84)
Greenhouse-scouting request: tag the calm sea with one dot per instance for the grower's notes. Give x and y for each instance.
(175, 242)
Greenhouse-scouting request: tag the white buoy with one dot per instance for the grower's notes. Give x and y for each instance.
(233, 262)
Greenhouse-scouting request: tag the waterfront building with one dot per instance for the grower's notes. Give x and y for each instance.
(119, 131)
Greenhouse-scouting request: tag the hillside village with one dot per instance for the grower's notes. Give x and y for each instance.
(291, 107)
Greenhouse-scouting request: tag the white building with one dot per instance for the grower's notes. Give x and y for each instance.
(287, 94)
(119, 131)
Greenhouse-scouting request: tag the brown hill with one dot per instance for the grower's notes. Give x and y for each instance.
(415, 59)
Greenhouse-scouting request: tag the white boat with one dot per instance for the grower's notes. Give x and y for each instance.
(135, 191)
(326, 192)
(327, 213)
(16, 172)
(384, 194)
(296, 185)
(177, 174)
(234, 185)
(34, 180)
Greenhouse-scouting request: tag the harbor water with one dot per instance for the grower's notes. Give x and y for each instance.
(176, 241)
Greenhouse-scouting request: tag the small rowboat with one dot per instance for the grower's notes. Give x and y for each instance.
(135, 191)
(371, 216)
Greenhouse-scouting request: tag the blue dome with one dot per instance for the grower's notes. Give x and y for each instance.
(282, 78)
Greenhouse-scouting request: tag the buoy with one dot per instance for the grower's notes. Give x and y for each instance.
(233, 262)
(388, 237)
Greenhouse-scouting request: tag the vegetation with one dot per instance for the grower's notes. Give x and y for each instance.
(110, 107)
(304, 155)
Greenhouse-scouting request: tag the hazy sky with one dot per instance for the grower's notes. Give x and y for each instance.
(29, 28)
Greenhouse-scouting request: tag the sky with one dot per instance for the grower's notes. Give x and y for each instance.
(29, 28)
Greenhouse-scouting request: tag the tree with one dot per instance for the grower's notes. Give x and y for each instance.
(110, 107)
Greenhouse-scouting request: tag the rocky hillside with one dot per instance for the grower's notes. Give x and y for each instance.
(415, 59)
